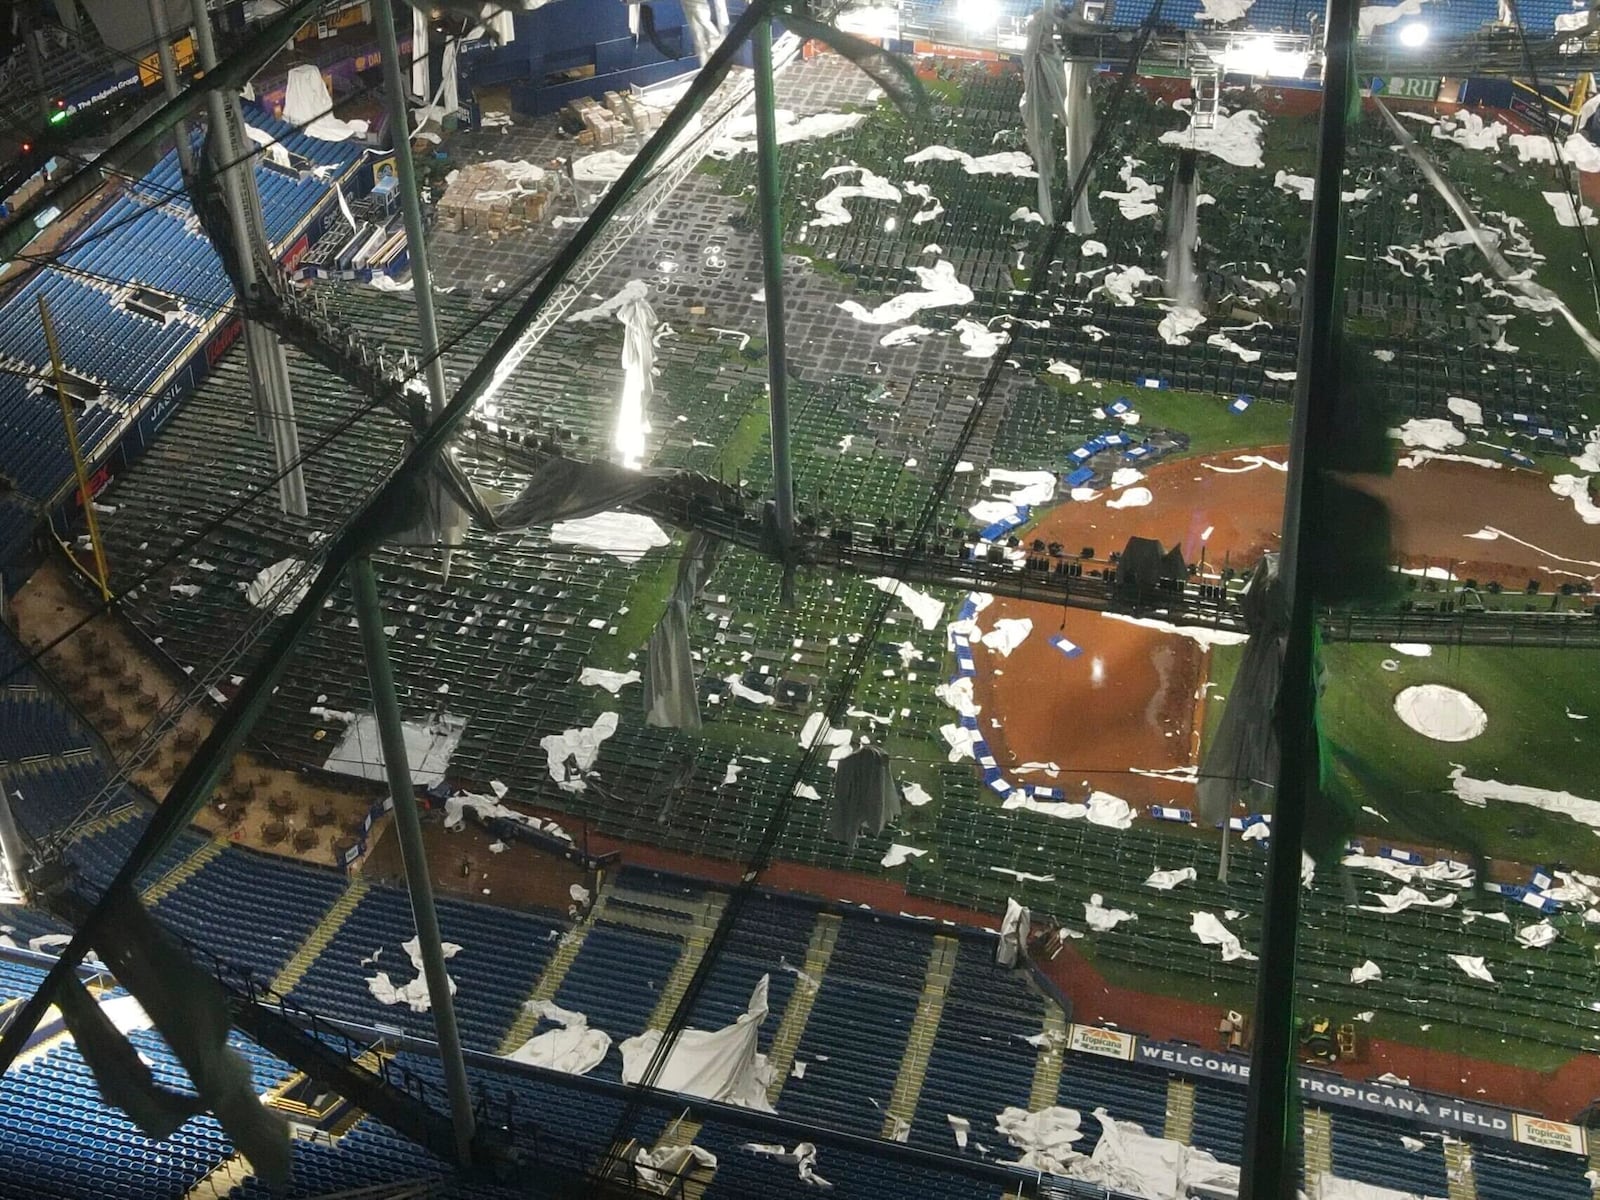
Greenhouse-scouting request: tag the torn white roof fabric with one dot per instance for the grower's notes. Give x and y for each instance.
(1045, 1137)
(1212, 932)
(572, 1047)
(1473, 966)
(1366, 972)
(1167, 880)
(1100, 918)
(722, 1064)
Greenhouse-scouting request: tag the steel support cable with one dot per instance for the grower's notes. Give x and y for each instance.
(371, 522)
(739, 897)
(1271, 1169)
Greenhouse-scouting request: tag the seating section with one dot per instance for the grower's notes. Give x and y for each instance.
(60, 1139)
(146, 236)
(1507, 1172)
(617, 978)
(502, 953)
(250, 884)
(1127, 1092)
(1219, 1121)
(1368, 1149)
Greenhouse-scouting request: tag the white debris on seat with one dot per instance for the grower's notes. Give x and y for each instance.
(905, 335)
(1121, 285)
(1537, 935)
(1366, 972)
(572, 1047)
(960, 1127)
(940, 289)
(1045, 1137)
(899, 854)
(1413, 649)
(871, 187)
(915, 794)
(664, 1169)
(1008, 633)
(1561, 202)
(1167, 880)
(1457, 874)
(1223, 342)
(1406, 897)
(413, 994)
(1235, 138)
(1466, 128)
(1177, 324)
(626, 536)
(1473, 966)
(1469, 411)
(980, 341)
(1139, 200)
(960, 740)
(803, 1158)
(933, 209)
(1032, 487)
(1023, 876)
(924, 607)
(1212, 932)
(1100, 918)
(1432, 433)
(1004, 162)
(582, 746)
(1296, 185)
(737, 688)
(612, 681)
(957, 693)
(1065, 369)
(273, 588)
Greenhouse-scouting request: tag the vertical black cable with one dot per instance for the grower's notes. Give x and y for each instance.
(1272, 1161)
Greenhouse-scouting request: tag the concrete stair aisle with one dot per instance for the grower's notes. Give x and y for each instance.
(1319, 1146)
(919, 1046)
(289, 976)
(707, 913)
(551, 978)
(220, 1182)
(1458, 1170)
(1179, 1125)
(792, 1027)
(1047, 1071)
(183, 872)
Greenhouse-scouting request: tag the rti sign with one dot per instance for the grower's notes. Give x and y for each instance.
(1404, 87)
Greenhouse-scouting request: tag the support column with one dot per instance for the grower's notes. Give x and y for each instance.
(269, 369)
(770, 190)
(169, 81)
(451, 519)
(408, 828)
(1271, 1131)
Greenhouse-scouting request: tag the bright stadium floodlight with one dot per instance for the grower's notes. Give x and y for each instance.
(1413, 33)
(1262, 56)
(978, 14)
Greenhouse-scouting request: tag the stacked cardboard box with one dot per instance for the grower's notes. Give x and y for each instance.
(481, 197)
(611, 122)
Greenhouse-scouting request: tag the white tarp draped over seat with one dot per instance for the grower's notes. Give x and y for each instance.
(1129, 1160)
(722, 1064)
(1213, 932)
(1331, 1187)
(414, 994)
(571, 1047)
(1014, 928)
(308, 105)
(1045, 1137)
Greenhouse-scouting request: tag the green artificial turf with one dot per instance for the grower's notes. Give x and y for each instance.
(1211, 426)
(1530, 740)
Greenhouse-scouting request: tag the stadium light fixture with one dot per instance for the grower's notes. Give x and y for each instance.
(1264, 57)
(978, 14)
(631, 425)
(1413, 34)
